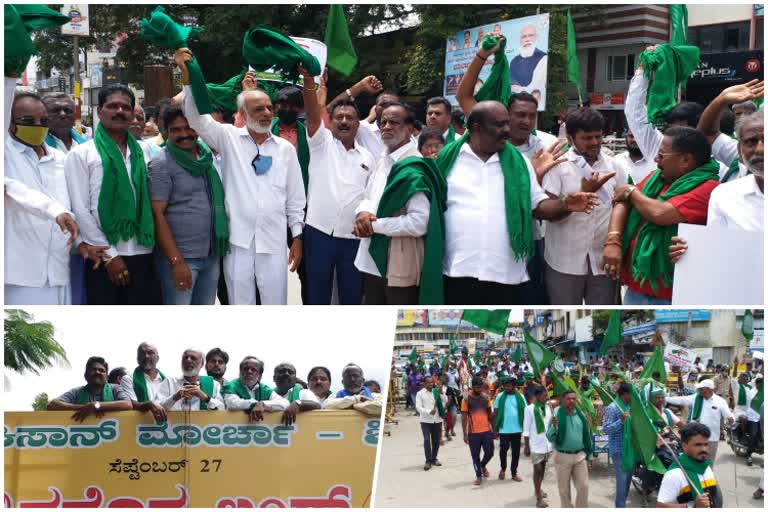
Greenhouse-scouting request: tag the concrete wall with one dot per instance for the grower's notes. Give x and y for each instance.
(710, 14)
(602, 84)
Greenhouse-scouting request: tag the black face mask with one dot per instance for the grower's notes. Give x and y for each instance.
(287, 117)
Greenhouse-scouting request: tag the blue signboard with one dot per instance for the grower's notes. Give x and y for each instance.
(668, 316)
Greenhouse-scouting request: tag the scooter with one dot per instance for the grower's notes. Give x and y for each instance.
(738, 438)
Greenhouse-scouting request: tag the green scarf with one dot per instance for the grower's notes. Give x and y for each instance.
(655, 414)
(650, 258)
(302, 150)
(497, 86)
(236, 387)
(520, 400)
(732, 170)
(123, 214)
(20, 20)
(406, 178)
(539, 412)
(517, 193)
(693, 469)
(293, 394)
(757, 400)
(695, 412)
(562, 427)
(265, 48)
(588, 393)
(160, 29)
(140, 384)
(668, 67)
(742, 399)
(451, 137)
(225, 95)
(438, 402)
(206, 386)
(203, 166)
(85, 397)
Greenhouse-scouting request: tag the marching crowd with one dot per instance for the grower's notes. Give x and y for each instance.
(502, 398)
(366, 209)
(148, 389)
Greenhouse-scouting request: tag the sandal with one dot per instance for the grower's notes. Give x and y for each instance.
(486, 474)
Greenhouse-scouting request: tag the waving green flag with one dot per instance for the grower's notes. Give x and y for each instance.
(613, 332)
(644, 433)
(539, 355)
(517, 355)
(678, 19)
(574, 75)
(748, 325)
(655, 364)
(341, 53)
(452, 347)
(491, 320)
(20, 21)
(412, 357)
(497, 85)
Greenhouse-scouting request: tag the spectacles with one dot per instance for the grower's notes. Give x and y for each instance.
(662, 156)
(31, 121)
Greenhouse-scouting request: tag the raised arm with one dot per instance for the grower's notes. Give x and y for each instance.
(311, 105)
(465, 94)
(709, 122)
(647, 136)
(369, 84)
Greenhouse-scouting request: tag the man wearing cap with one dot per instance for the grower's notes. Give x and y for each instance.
(658, 412)
(707, 408)
(509, 411)
(430, 404)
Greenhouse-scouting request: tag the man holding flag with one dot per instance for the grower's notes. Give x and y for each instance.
(614, 426)
(430, 405)
(536, 422)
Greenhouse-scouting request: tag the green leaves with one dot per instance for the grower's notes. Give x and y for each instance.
(30, 346)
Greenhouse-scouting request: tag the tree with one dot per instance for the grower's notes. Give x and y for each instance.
(41, 402)
(30, 346)
(600, 318)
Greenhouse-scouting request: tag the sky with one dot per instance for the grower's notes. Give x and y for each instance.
(304, 336)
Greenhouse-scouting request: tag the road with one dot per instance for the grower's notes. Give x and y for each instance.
(402, 481)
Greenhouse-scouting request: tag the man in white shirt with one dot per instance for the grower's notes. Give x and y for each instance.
(113, 209)
(191, 391)
(339, 170)
(36, 249)
(480, 265)
(574, 248)
(431, 421)
(536, 420)
(369, 134)
(264, 192)
(406, 251)
(635, 165)
(706, 407)
(299, 398)
(143, 385)
(247, 393)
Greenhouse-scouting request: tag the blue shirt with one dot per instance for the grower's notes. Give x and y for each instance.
(512, 419)
(614, 427)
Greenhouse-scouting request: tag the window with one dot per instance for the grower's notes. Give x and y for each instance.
(728, 37)
(620, 67)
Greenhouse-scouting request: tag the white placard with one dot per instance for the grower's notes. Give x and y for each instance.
(79, 22)
(722, 267)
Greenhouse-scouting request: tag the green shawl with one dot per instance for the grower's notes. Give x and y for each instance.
(123, 213)
(438, 402)
(451, 137)
(225, 95)
(85, 397)
(140, 384)
(733, 169)
(655, 414)
(693, 469)
(302, 150)
(497, 86)
(757, 400)
(265, 48)
(520, 401)
(517, 195)
(206, 386)
(293, 394)
(650, 257)
(742, 398)
(695, 412)
(539, 412)
(20, 20)
(203, 166)
(406, 178)
(235, 387)
(562, 427)
(160, 29)
(668, 67)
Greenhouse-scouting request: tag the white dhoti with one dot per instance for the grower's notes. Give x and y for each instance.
(33, 296)
(245, 270)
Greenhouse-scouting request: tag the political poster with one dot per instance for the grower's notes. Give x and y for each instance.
(527, 49)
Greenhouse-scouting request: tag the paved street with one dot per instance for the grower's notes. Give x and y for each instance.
(402, 481)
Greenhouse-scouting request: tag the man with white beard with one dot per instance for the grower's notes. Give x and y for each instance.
(191, 391)
(247, 393)
(528, 71)
(264, 192)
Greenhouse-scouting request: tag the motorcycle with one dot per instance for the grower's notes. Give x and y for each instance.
(648, 482)
(737, 437)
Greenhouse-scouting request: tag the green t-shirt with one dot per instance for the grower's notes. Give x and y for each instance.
(573, 441)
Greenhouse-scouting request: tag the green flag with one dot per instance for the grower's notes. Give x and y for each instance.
(478, 354)
(558, 386)
(748, 325)
(341, 53)
(604, 394)
(757, 401)
(539, 355)
(517, 355)
(412, 357)
(678, 19)
(444, 362)
(491, 320)
(452, 347)
(655, 364)
(421, 366)
(644, 433)
(573, 59)
(613, 332)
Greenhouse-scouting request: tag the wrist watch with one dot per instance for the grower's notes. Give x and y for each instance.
(97, 405)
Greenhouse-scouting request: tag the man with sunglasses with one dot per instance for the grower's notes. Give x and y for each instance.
(264, 192)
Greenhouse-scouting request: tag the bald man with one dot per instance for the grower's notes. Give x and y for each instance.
(191, 391)
(263, 190)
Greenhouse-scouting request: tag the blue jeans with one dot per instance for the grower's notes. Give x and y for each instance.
(622, 481)
(205, 280)
(322, 255)
(632, 298)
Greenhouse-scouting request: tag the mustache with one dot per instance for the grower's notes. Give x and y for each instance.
(119, 116)
(190, 138)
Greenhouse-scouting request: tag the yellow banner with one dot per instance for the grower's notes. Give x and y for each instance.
(199, 459)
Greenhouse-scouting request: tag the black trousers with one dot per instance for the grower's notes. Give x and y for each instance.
(377, 293)
(482, 441)
(468, 290)
(143, 289)
(431, 433)
(754, 432)
(510, 442)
